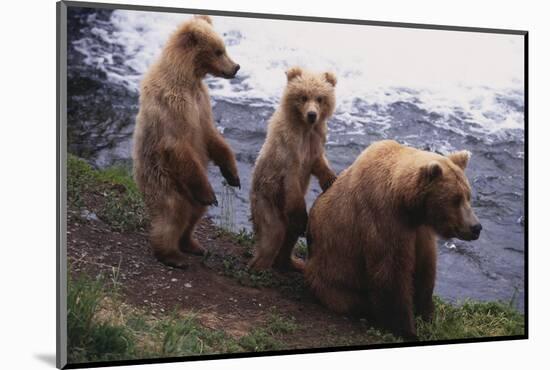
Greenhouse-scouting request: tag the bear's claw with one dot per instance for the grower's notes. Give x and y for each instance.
(231, 179)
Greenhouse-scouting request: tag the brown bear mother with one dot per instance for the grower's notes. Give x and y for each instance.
(372, 234)
(175, 138)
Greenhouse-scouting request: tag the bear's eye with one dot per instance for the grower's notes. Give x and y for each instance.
(457, 200)
(219, 52)
(319, 99)
(304, 98)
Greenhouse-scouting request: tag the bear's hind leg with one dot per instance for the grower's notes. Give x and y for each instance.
(391, 305)
(165, 234)
(341, 299)
(270, 239)
(285, 260)
(295, 225)
(390, 288)
(187, 243)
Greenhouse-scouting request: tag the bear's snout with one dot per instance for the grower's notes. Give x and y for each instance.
(237, 67)
(311, 117)
(476, 230)
(232, 71)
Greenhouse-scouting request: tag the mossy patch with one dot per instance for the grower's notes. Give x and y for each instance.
(111, 193)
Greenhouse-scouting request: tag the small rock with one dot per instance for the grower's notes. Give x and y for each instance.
(187, 285)
(89, 216)
(173, 280)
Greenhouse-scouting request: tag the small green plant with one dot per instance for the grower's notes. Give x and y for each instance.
(235, 268)
(378, 336)
(80, 176)
(227, 208)
(185, 336)
(279, 325)
(88, 338)
(300, 249)
(138, 323)
(259, 340)
(471, 320)
(246, 240)
(269, 337)
(118, 201)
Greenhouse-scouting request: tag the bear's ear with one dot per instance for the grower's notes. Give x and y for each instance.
(331, 78)
(431, 171)
(461, 158)
(205, 18)
(188, 38)
(292, 73)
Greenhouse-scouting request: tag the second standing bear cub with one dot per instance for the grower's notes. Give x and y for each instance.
(293, 151)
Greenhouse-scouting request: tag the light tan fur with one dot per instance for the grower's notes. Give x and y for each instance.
(372, 235)
(292, 152)
(175, 138)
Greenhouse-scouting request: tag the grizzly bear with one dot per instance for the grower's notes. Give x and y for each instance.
(175, 138)
(292, 152)
(372, 235)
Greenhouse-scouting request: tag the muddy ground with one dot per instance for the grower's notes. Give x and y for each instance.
(217, 286)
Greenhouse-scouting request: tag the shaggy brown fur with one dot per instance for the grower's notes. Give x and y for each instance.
(175, 138)
(292, 152)
(372, 235)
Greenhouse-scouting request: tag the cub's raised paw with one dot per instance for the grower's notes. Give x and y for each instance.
(232, 179)
(327, 184)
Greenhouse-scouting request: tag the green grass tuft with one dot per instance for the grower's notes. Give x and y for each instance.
(471, 320)
(187, 337)
(301, 249)
(88, 339)
(117, 201)
(270, 337)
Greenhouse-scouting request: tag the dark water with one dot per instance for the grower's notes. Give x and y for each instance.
(101, 115)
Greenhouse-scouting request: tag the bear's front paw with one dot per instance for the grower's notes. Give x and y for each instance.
(207, 198)
(231, 178)
(328, 183)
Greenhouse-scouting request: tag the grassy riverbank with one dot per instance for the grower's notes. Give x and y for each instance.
(123, 304)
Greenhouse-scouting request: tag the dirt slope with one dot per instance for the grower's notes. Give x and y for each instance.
(217, 286)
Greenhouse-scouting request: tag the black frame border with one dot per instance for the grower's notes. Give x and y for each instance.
(61, 272)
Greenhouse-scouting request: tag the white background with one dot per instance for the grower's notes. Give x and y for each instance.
(27, 181)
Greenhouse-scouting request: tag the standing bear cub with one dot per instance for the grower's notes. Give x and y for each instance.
(292, 152)
(372, 235)
(175, 138)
